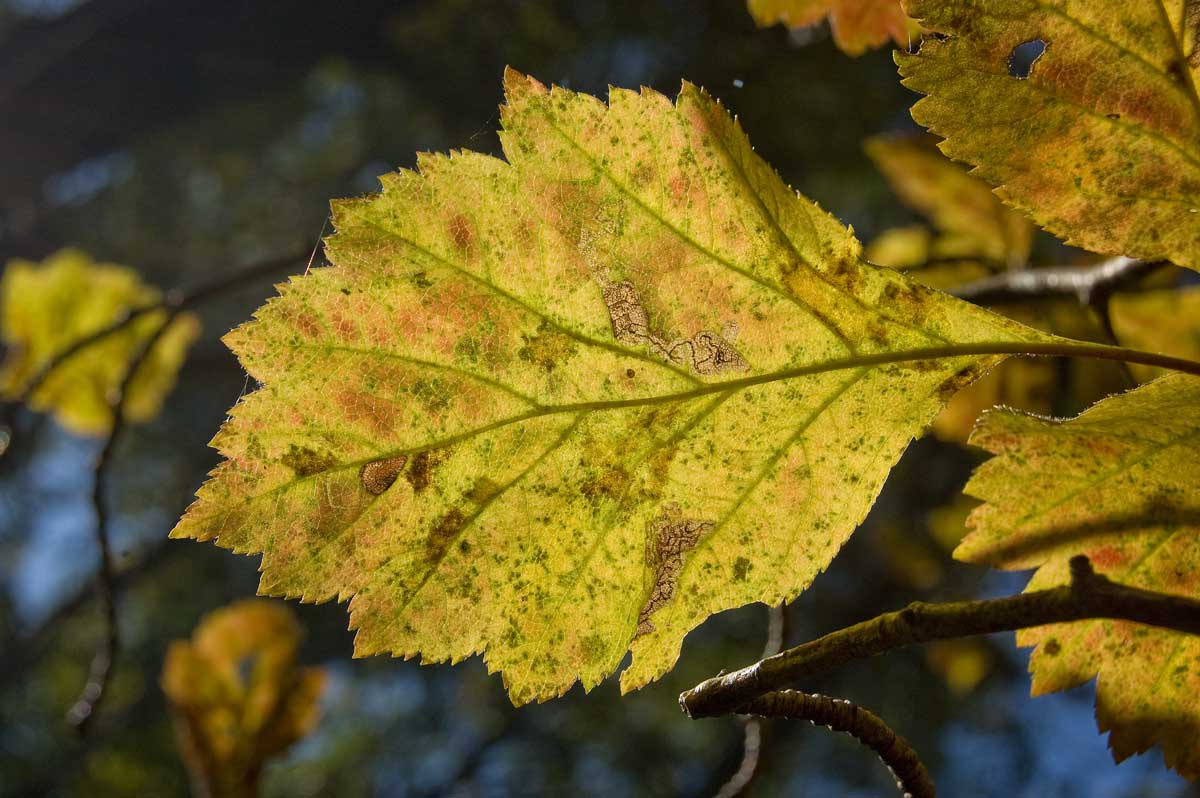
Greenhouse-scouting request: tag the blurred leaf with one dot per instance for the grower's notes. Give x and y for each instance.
(48, 307)
(1098, 140)
(857, 25)
(1159, 321)
(973, 220)
(506, 421)
(238, 696)
(1118, 484)
(963, 664)
(901, 248)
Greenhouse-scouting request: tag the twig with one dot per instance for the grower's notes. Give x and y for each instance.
(863, 725)
(1088, 596)
(1085, 285)
(175, 300)
(84, 709)
(753, 732)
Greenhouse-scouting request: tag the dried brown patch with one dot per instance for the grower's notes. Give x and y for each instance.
(306, 462)
(669, 539)
(379, 475)
(420, 471)
(460, 233)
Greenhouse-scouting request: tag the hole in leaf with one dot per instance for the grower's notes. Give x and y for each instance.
(1024, 56)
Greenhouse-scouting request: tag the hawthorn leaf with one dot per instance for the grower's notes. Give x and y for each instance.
(237, 695)
(973, 220)
(903, 248)
(857, 25)
(1100, 141)
(558, 407)
(47, 307)
(1110, 485)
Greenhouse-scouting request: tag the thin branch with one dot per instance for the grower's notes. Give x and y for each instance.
(175, 300)
(863, 725)
(84, 708)
(1082, 284)
(1088, 596)
(753, 731)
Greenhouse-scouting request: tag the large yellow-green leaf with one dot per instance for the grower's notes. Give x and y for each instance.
(1119, 484)
(560, 407)
(1100, 143)
(973, 220)
(857, 25)
(49, 306)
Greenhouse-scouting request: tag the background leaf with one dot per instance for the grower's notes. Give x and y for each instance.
(49, 306)
(1099, 141)
(857, 25)
(238, 696)
(1122, 491)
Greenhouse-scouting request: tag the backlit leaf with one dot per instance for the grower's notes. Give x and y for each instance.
(1099, 140)
(568, 405)
(1159, 321)
(857, 25)
(47, 307)
(1118, 484)
(237, 695)
(974, 221)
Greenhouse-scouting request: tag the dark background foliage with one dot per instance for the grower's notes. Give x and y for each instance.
(187, 137)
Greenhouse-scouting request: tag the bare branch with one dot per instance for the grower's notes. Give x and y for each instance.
(753, 731)
(863, 725)
(84, 708)
(1088, 596)
(1086, 285)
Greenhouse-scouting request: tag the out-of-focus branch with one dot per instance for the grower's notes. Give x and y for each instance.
(84, 709)
(753, 731)
(1088, 286)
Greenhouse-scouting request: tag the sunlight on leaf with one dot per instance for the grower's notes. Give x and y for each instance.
(561, 407)
(857, 25)
(237, 695)
(47, 307)
(1118, 484)
(1097, 138)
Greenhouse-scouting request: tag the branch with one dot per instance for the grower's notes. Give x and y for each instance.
(753, 736)
(173, 301)
(863, 725)
(1088, 596)
(1089, 286)
(84, 708)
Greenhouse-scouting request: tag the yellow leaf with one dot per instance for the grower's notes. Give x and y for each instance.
(902, 248)
(964, 208)
(561, 407)
(50, 306)
(237, 694)
(1118, 484)
(857, 25)
(1167, 322)
(1100, 142)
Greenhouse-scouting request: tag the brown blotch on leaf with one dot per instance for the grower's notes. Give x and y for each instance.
(610, 484)
(306, 462)
(460, 233)
(420, 471)
(443, 533)
(378, 476)
(669, 538)
(956, 382)
(1051, 647)
(482, 490)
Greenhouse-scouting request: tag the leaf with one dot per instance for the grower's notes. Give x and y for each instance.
(1100, 143)
(857, 25)
(238, 696)
(1118, 484)
(903, 248)
(974, 220)
(1167, 322)
(48, 307)
(558, 408)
